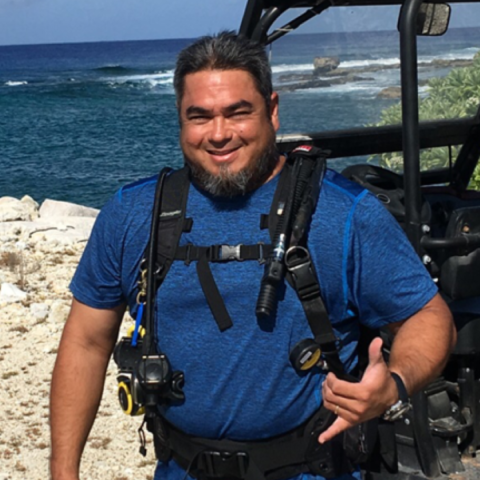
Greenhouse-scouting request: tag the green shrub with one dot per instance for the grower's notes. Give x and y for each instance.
(456, 95)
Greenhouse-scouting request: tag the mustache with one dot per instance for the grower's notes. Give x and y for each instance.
(228, 184)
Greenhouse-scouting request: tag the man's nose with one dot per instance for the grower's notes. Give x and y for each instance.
(220, 131)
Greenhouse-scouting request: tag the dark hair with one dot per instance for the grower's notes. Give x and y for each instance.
(225, 51)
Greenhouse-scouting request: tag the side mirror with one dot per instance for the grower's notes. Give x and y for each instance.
(432, 19)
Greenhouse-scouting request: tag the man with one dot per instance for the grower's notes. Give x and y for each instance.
(239, 383)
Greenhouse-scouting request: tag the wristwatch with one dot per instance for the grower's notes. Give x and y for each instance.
(402, 406)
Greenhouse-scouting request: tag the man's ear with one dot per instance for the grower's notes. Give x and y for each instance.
(274, 101)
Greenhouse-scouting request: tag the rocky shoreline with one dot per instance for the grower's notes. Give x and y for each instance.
(40, 247)
(326, 73)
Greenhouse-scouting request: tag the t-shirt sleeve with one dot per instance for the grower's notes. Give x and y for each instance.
(390, 283)
(97, 280)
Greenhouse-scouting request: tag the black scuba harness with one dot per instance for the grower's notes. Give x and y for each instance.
(147, 378)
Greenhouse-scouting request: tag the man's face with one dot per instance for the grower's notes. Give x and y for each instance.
(226, 130)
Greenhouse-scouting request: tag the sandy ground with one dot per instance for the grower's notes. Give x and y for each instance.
(30, 331)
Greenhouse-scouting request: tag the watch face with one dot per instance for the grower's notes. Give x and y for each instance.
(396, 411)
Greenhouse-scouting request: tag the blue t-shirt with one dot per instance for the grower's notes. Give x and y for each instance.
(239, 384)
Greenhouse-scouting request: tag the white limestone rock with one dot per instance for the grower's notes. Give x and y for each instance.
(55, 208)
(62, 230)
(58, 312)
(65, 231)
(10, 293)
(39, 310)
(28, 200)
(12, 209)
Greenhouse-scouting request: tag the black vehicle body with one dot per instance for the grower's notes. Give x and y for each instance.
(442, 432)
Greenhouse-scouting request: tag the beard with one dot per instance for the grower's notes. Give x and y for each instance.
(228, 184)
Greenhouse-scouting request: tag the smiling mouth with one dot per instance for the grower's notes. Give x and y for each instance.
(223, 154)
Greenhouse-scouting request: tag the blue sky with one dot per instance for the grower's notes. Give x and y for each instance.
(61, 21)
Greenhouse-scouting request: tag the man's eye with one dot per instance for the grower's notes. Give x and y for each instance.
(240, 114)
(198, 118)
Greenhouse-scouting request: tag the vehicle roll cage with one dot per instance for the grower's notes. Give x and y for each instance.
(410, 137)
(416, 442)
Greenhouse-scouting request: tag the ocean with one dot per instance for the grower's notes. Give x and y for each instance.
(77, 121)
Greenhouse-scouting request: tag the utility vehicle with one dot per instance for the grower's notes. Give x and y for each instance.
(440, 214)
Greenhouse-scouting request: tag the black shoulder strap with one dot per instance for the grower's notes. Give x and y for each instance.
(301, 274)
(173, 221)
(168, 221)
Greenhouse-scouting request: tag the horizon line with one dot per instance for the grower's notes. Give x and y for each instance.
(193, 38)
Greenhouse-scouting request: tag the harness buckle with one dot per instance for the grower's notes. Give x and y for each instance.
(261, 254)
(224, 464)
(298, 263)
(228, 253)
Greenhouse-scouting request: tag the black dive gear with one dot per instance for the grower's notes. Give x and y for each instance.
(145, 378)
(293, 217)
(276, 458)
(275, 267)
(287, 258)
(144, 381)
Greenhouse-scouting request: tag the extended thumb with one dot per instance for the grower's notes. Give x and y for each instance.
(375, 351)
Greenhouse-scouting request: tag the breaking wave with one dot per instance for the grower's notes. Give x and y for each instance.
(369, 63)
(292, 68)
(13, 83)
(150, 80)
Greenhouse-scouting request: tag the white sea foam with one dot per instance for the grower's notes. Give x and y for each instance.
(150, 79)
(369, 63)
(299, 67)
(12, 83)
(466, 54)
(358, 87)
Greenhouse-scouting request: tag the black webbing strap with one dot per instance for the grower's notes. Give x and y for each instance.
(148, 320)
(172, 220)
(168, 222)
(281, 457)
(212, 294)
(219, 253)
(224, 253)
(305, 282)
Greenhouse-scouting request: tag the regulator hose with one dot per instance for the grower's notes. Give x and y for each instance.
(274, 274)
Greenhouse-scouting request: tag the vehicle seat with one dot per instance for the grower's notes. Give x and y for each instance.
(460, 282)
